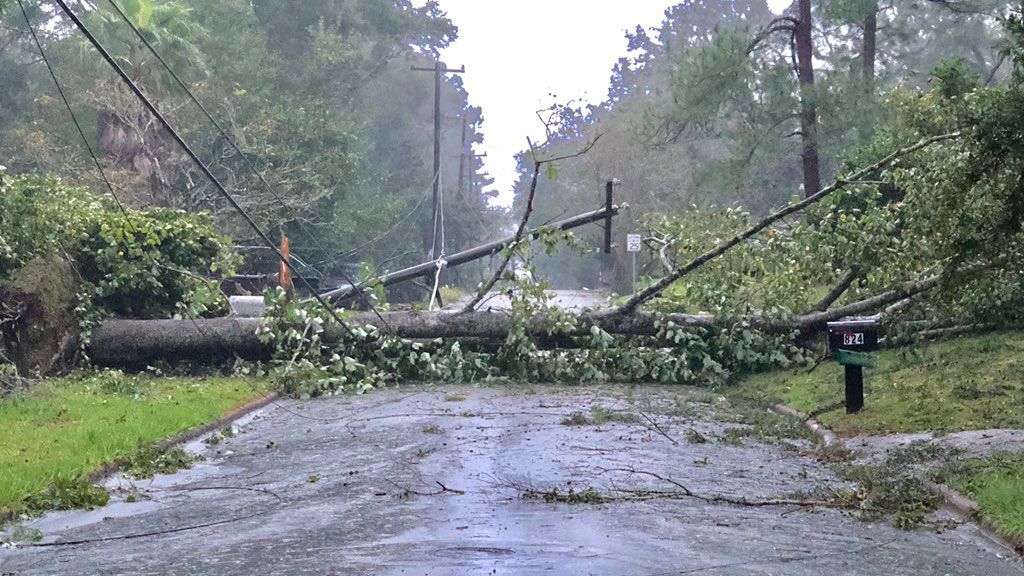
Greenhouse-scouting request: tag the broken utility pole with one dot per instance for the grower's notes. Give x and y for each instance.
(428, 268)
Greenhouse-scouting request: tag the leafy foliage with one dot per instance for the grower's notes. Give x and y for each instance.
(318, 95)
(67, 494)
(314, 356)
(894, 487)
(131, 264)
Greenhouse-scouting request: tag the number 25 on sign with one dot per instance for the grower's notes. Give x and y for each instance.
(633, 242)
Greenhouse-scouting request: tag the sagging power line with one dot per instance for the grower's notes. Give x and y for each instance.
(151, 107)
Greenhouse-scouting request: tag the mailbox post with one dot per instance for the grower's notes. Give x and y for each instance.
(851, 342)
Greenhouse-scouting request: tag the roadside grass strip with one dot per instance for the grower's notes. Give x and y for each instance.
(971, 383)
(63, 429)
(996, 483)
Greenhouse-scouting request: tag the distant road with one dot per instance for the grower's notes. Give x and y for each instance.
(572, 300)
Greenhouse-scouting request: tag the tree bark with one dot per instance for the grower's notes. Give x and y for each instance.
(808, 108)
(869, 49)
(138, 342)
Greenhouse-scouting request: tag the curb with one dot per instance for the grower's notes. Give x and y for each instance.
(969, 510)
(111, 468)
(955, 502)
(827, 437)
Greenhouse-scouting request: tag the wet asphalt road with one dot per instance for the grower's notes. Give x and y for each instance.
(429, 481)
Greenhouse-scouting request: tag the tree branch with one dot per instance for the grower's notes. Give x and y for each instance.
(510, 250)
(837, 291)
(879, 301)
(657, 288)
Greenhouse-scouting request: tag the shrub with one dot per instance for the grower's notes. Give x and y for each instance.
(137, 264)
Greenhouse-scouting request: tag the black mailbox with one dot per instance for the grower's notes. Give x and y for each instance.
(855, 335)
(850, 341)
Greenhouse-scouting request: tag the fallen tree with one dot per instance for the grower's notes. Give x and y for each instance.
(653, 291)
(133, 342)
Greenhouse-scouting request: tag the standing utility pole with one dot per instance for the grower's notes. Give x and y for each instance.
(439, 70)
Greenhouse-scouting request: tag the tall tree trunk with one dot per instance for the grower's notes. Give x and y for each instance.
(868, 55)
(808, 108)
(869, 48)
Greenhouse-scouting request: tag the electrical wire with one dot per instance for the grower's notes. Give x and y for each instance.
(385, 234)
(227, 137)
(195, 158)
(192, 317)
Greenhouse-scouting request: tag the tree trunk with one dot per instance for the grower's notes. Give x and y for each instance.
(138, 342)
(869, 49)
(868, 55)
(808, 108)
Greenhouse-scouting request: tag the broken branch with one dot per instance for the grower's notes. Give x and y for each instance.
(657, 288)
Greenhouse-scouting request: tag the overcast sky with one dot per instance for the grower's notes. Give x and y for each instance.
(519, 52)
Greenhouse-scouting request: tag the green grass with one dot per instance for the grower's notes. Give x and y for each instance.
(66, 428)
(961, 384)
(997, 485)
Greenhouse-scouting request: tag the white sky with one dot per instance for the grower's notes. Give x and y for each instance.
(519, 52)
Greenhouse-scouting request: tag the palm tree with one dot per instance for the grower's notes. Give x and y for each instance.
(127, 134)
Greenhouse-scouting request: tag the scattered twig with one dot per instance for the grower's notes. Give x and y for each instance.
(444, 489)
(657, 428)
(581, 493)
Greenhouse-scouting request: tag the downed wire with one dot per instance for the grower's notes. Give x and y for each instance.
(195, 158)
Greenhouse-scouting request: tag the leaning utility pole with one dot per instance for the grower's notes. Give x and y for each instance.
(439, 70)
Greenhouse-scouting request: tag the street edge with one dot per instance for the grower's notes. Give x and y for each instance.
(957, 503)
(827, 437)
(110, 468)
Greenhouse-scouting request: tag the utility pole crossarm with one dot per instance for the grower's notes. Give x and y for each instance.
(444, 69)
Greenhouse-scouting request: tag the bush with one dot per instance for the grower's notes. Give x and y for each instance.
(136, 264)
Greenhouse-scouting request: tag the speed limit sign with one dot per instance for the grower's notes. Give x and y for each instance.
(633, 242)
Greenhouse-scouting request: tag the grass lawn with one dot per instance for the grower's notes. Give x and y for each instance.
(997, 485)
(66, 428)
(966, 383)
(959, 384)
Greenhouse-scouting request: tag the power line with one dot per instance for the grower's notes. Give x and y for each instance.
(195, 158)
(379, 237)
(231, 141)
(124, 212)
(71, 112)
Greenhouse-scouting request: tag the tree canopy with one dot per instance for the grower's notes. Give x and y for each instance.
(318, 95)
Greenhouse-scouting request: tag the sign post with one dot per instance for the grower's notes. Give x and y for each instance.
(634, 242)
(851, 341)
